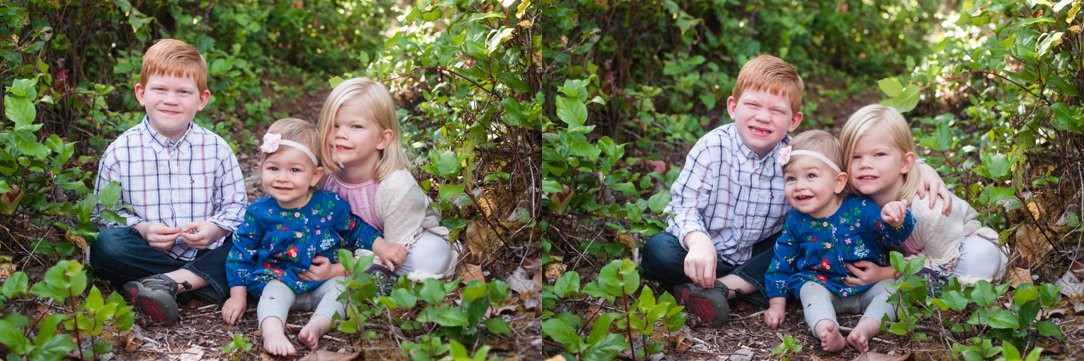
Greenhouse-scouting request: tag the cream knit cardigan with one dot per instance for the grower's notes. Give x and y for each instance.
(941, 235)
(404, 209)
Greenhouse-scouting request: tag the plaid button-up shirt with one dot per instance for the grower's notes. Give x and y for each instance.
(730, 193)
(178, 182)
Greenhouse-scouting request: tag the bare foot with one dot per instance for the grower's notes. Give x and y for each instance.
(275, 341)
(865, 330)
(310, 335)
(831, 339)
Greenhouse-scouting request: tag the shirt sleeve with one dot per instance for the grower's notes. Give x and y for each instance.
(229, 193)
(893, 236)
(109, 171)
(353, 231)
(692, 190)
(784, 262)
(243, 257)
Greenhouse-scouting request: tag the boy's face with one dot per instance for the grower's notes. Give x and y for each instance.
(289, 176)
(762, 118)
(812, 187)
(171, 103)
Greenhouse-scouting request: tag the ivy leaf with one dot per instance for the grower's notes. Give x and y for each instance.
(890, 86)
(558, 331)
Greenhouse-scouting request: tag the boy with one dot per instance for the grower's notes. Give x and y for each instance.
(184, 188)
(728, 204)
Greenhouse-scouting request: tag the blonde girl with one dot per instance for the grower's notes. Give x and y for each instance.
(281, 234)
(368, 166)
(880, 155)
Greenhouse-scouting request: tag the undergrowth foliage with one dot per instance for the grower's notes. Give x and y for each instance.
(467, 76)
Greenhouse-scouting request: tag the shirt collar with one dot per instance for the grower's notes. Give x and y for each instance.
(161, 140)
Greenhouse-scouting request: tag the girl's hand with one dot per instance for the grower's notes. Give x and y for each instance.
(391, 254)
(867, 273)
(933, 184)
(893, 213)
(233, 309)
(322, 269)
(775, 314)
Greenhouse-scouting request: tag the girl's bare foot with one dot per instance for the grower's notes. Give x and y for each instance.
(310, 335)
(831, 339)
(275, 341)
(865, 330)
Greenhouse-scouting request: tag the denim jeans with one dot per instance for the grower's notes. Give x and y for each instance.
(120, 254)
(664, 261)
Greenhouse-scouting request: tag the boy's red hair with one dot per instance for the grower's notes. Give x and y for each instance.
(177, 58)
(771, 74)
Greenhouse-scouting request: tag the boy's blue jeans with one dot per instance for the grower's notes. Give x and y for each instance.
(664, 261)
(120, 254)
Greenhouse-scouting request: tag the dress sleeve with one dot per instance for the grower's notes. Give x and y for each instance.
(354, 233)
(243, 257)
(893, 236)
(784, 261)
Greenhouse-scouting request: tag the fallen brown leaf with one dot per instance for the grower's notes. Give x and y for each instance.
(1019, 276)
(554, 270)
(556, 358)
(679, 343)
(877, 356)
(131, 342)
(325, 355)
(1030, 243)
(6, 267)
(482, 240)
(522, 282)
(471, 272)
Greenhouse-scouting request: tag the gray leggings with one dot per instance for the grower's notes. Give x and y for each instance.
(278, 299)
(821, 304)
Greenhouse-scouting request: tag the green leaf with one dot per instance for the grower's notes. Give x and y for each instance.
(1025, 293)
(906, 100)
(943, 136)
(955, 300)
(890, 86)
(15, 285)
(567, 284)
(658, 202)
(571, 111)
(1009, 351)
(497, 38)
(997, 165)
(20, 111)
(1002, 319)
(452, 317)
(404, 298)
(983, 294)
(1049, 295)
(432, 292)
(498, 326)
(1049, 329)
(601, 327)
(1065, 118)
(13, 338)
(1049, 40)
(24, 88)
(578, 145)
(607, 348)
(558, 331)
(110, 194)
(452, 192)
(28, 144)
(446, 162)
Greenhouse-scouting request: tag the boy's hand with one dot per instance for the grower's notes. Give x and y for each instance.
(700, 261)
(158, 235)
(200, 234)
(893, 213)
(234, 307)
(775, 314)
(391, 254)
(322, 269)
(932, 182)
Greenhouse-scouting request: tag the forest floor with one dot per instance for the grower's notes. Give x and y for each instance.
(200, 333)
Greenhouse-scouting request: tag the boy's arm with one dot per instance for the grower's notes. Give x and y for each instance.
(108, 172)
(230, 195)
(691, 191)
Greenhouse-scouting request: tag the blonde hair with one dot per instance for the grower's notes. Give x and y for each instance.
(877, 117)
(296, 130)
(375, 97)
(773, 75)
(818, 141)
(171, 57)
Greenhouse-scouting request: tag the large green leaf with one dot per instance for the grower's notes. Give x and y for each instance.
(558, 331)
(571, 111)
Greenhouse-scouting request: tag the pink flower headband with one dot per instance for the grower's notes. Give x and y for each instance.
(786, 152)
(272, 141)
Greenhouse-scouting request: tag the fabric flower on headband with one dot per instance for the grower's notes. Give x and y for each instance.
(271, 142)
(784, 154)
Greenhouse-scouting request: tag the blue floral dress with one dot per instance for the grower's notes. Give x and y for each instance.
(277, 244)
(818, 249)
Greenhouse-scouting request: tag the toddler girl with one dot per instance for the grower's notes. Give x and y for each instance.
(369, 168)
(824, 230)
(879, 151)
(281, 234)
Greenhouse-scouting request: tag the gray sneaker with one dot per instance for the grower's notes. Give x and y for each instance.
(154, 296)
